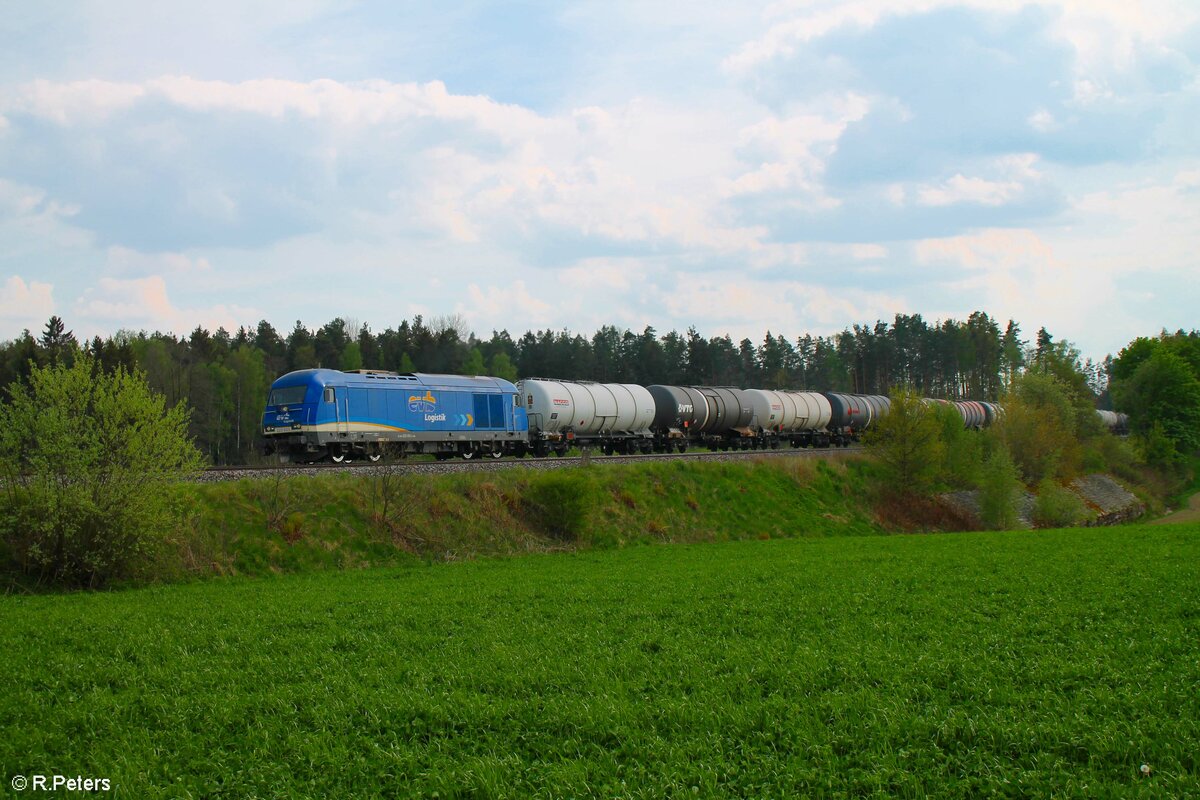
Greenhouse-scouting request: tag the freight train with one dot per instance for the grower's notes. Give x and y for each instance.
(315, 414)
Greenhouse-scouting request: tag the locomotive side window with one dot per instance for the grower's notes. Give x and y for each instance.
(480, 407)
(496, 406)
(329, 394)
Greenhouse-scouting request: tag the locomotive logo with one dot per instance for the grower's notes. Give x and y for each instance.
(422, 405)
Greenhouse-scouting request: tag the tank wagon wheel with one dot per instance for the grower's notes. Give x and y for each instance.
(682, 448)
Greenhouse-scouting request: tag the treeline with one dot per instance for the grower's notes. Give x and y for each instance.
(224, 377)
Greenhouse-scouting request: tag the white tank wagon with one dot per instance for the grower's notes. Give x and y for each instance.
(1114, 421)
(768, 411)
(806, 415)
(879, 406)
(615, 417)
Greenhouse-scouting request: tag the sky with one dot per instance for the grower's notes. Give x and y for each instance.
(790, 166)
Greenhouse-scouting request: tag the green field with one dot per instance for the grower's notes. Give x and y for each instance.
(1022, 664)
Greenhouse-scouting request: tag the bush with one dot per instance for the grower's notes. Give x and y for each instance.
(907, 442)
(963, 450)
(1000, 492)
(85, 456)
(558, 504)
(1057, 507)
(1039, 429)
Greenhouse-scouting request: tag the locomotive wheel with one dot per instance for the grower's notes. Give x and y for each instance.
(467, 454)
(496, 453)
(374, 454)
(337, 456)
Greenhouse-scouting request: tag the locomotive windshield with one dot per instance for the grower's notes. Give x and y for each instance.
(287, 396)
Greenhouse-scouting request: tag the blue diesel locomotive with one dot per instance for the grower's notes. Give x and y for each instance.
(367, 413)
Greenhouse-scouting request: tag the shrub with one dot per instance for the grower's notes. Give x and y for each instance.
(85, 456)
(1057, 507)
(907, 442)
(1000, 491)
(963, 450)
(1038, 428)
(558, 504)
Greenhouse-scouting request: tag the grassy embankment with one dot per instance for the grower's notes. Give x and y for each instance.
(258, 527)
(1022, 664)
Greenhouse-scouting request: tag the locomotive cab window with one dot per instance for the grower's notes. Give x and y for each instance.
(328, 394)
(287, 396)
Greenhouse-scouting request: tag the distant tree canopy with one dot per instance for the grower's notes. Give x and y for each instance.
(224, 377)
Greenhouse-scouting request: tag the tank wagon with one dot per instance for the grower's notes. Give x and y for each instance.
(615, 417)
(314, 413)
(321, 413)
(1116, 422)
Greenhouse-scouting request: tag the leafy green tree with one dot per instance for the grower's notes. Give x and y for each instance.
(502, 367)
(474, 363)
(907, 442)
(351, 357)
(1164, 391)
(1039, 428)
(85, 456)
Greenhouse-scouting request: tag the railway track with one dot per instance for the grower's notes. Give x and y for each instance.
(229, 473)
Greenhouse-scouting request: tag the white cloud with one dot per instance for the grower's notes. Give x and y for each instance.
(143, 303)
(1016, 172)
(961, 189)
(1043, 121)
(24, 305)
(496, 306)
(1023, 277)
(72, 102)
(1103, 33)
(126, 261)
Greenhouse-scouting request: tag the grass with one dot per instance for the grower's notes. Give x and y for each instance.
(1014, 664)
(272, 525)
